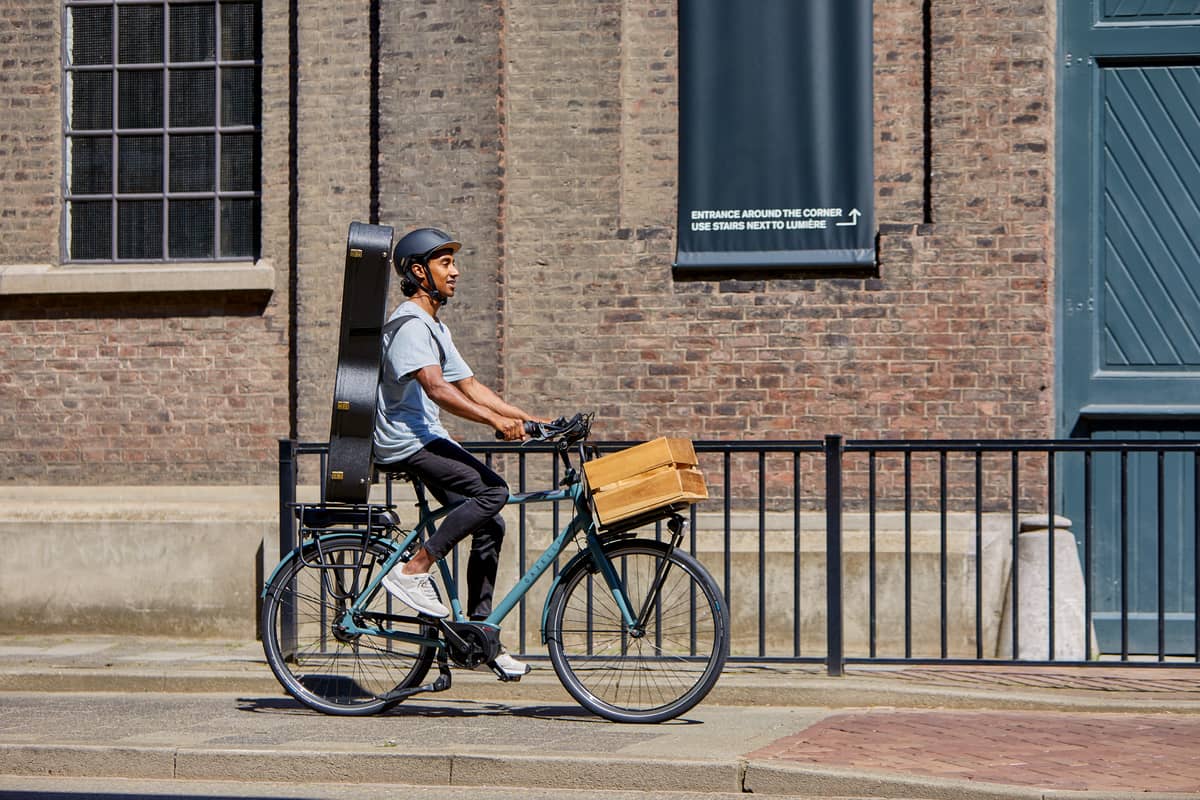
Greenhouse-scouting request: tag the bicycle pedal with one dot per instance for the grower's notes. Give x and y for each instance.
(504, 676)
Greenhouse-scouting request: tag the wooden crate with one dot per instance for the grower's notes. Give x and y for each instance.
(662, 473)
(633, 461)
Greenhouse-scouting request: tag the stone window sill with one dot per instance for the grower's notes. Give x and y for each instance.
(216, 276)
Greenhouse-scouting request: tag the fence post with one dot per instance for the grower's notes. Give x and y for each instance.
(287, 536)
(834, 445)
(287, 496)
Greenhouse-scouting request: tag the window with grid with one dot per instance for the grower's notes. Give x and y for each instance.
(162, 130)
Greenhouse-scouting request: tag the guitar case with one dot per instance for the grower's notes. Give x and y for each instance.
(364, 311)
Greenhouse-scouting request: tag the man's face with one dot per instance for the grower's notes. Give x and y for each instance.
(443, 271)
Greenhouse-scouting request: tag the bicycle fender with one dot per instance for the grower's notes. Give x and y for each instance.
(292, 555)
(295, 552)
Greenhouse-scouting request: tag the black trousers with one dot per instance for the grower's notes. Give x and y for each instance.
(453, 475)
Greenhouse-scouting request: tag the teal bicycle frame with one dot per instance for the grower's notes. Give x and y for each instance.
(581, 521)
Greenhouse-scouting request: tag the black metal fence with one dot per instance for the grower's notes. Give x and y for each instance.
(837, 552)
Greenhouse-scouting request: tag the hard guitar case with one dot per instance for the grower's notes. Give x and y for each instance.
(364, 311)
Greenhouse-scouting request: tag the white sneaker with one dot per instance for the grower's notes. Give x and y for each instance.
(415, 590)
(510, 666)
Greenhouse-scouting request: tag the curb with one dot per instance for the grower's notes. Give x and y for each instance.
(316, 766)
(135, 681)
(845, 692)
(771, 779)
(735, 776)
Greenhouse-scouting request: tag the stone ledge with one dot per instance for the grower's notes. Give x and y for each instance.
(163, 560)
(132, 504)
(214, 276)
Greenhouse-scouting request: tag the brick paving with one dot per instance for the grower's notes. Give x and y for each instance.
(1176, 681)
(1098, 752)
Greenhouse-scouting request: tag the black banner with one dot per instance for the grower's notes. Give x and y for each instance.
(776, 166)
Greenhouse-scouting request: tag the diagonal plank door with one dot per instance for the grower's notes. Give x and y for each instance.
(1129, 303)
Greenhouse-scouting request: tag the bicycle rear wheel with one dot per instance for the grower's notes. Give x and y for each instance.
(650, 675)
(319, 664)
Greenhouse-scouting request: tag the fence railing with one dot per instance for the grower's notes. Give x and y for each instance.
(837, 552)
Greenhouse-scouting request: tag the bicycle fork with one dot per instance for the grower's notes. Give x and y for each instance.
(637, 624)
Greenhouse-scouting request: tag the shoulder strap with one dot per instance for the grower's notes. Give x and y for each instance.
(399, 322)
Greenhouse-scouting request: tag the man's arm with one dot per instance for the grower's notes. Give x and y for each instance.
(483, 395)
(455, 399)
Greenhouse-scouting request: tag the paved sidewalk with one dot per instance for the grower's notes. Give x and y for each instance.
(1105, 752)
(163, 709)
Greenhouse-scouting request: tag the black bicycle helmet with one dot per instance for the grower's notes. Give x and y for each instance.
(415, 247)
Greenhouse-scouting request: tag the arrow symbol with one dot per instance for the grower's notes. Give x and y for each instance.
(854, 215)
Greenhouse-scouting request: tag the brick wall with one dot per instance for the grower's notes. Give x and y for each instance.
(30, 141)
(440, 154)
(333, 109)
(993, 125)
(131, 388)
(439, 160)
(178, 388)
(953, 338)
(899, 111)
(543, 133)
(565, 249)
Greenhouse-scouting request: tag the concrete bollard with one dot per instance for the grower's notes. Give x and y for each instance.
(1033, 597)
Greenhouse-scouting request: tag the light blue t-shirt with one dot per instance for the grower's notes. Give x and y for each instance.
(405, 418)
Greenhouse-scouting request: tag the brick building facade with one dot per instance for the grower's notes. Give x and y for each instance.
(543, 133)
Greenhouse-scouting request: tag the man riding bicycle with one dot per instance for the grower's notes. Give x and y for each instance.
(422, 373)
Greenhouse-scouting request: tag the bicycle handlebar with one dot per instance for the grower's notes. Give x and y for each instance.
(570, 430)
(531, 430)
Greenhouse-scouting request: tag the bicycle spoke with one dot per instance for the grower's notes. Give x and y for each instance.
(652, 673)
(329, 669)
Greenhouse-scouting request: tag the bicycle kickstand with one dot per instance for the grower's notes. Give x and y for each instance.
(440, 684)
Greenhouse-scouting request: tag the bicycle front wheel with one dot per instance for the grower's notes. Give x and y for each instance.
(318, 663)
(648, 675)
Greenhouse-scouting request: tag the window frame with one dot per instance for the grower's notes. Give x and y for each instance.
(218, 130)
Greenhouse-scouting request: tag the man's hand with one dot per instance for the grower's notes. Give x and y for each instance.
(509, 429)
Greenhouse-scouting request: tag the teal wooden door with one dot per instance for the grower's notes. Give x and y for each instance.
(1129, 290)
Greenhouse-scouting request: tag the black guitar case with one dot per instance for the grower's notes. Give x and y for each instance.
(364, 311)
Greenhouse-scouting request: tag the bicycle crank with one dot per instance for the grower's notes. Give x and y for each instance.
(471, 643)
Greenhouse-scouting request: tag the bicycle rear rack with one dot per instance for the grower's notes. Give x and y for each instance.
(317, 520)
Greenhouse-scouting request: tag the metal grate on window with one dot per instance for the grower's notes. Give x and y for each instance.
(163, 131)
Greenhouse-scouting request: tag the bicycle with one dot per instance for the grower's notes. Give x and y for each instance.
(637, 629)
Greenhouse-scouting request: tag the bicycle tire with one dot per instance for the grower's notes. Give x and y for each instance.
(656, 676)
(342, 676)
